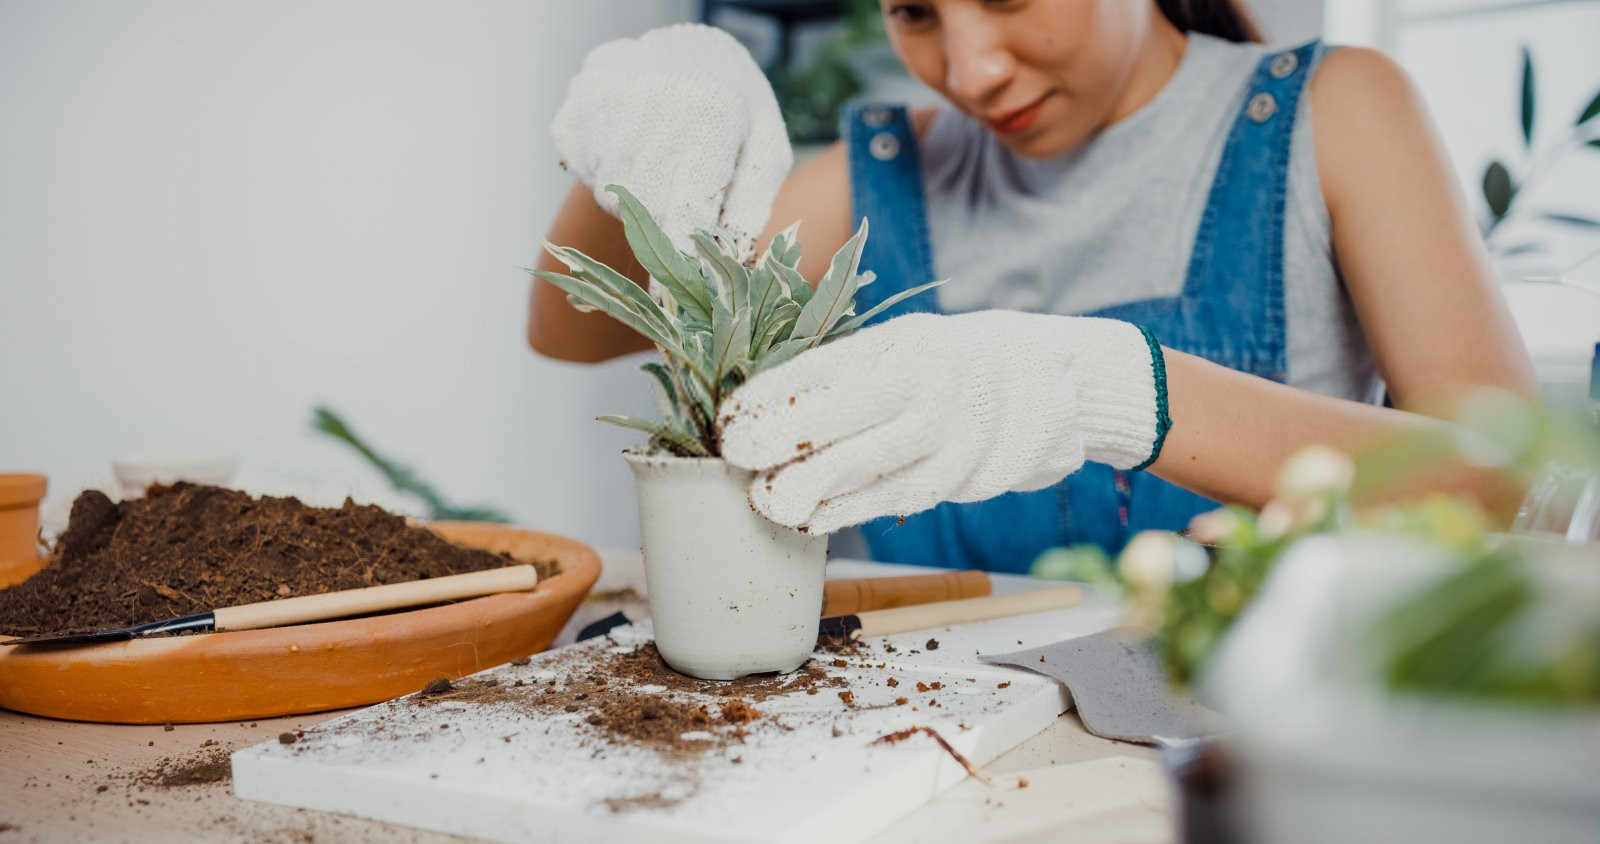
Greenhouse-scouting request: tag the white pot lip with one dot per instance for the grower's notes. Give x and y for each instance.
(645, 457)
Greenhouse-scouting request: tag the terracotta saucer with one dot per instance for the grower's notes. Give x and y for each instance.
(307, 667)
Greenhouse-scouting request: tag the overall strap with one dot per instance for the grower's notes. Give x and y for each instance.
(886, 188)
(1236, 264)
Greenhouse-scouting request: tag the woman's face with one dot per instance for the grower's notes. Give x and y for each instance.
(1043, 75)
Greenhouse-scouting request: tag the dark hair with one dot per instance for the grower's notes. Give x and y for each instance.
(1222, 18)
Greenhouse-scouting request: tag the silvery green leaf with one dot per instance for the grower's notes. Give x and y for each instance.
(865, 278)
(619, 285)
(765, 294)
(730, 342)
(792, 284)
(783, 351)
(733, 277)
(776, 329)
(579, 305)
(677, 440)
(853, 323)
(598, 297)
(784, 247)
(695, 325)
(698, 389)
(676, 271)
(667, 392)
(835, 293)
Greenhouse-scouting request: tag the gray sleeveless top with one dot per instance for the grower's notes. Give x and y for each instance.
(1114, 220)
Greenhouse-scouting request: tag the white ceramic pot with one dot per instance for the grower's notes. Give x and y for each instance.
(731, 593)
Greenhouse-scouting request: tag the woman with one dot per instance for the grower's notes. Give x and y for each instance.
(1176, 257)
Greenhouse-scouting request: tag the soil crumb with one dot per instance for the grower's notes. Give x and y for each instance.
(200, 769)
(189, 548)
(438, 686)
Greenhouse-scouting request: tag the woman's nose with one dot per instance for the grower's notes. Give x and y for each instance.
(977, 62)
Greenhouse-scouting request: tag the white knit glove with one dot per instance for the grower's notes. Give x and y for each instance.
(928, 408)
(684, 119)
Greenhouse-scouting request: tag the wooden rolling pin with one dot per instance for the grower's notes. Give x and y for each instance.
(847, 597)
(946, 613)
(305, 608)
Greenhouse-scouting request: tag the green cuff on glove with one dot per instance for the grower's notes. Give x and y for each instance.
(1158, 366)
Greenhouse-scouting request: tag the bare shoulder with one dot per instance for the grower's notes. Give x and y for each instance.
(1364, 105)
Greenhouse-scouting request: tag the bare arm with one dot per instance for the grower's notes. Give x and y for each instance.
(555, 328)
(1422, 288)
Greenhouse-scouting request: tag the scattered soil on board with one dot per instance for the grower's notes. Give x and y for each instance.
(633, 697)
(188, 548)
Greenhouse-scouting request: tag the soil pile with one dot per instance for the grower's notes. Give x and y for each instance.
(188, 548)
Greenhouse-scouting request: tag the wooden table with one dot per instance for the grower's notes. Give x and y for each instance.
(64, 781)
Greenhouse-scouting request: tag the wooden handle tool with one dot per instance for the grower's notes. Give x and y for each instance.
(848, 597)
(946, 613)
(315, 607)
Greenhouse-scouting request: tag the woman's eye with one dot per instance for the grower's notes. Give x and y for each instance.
(910, 13)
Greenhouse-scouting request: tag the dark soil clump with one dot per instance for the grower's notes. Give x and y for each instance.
(201, 769)
(187, 548)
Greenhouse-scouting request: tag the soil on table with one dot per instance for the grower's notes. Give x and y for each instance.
(634, 697)
(189, 548)
(207, 766)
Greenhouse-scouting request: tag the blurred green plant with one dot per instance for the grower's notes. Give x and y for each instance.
(1502, 188)
(811, 96)
(401, 478)
(1464, 635)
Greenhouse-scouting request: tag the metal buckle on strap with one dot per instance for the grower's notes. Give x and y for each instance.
(1283, 64)
(884, 146)
(1261, 107)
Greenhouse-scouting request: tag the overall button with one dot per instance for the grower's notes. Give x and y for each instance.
(1261, 107)
(884, 146)
(1283, 64)
(876, 116)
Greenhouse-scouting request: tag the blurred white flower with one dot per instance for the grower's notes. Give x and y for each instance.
(1313, 471)
(1215, 527)
(1275, 521)
(1149, 559)
(1189, 560)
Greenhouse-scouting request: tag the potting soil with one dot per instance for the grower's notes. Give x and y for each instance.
(189, 548)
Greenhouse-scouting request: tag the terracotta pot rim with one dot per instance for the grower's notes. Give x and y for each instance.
(21, 489)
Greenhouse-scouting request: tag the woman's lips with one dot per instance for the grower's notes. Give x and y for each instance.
(1020, 119)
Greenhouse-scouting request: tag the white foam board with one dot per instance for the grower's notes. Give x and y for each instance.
(819, 777)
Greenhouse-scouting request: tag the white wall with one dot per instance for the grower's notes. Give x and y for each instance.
(217, 214)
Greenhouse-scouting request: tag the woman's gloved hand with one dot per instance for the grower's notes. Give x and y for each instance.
(682, 117)
(928, 408)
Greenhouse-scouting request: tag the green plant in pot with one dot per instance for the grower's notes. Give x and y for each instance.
(730, 592)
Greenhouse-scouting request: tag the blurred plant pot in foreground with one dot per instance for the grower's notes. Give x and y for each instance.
(1329, 751)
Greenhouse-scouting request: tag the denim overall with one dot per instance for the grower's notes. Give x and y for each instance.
(1230, 311)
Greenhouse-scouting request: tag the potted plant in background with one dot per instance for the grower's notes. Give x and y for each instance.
(730, 592)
